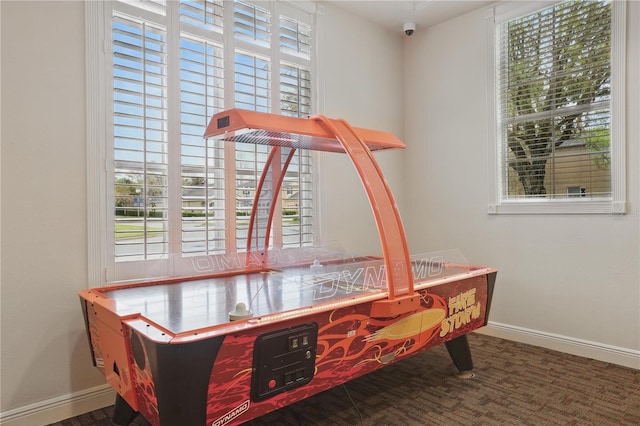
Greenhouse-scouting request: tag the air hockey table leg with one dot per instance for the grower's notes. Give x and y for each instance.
(460, 353)
(123, 414)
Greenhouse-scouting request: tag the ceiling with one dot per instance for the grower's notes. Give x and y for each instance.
(424, 13)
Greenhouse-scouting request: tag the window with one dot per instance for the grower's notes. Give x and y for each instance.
(559, 108)
(158, 70)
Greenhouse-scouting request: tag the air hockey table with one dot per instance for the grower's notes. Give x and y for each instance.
(234, 336)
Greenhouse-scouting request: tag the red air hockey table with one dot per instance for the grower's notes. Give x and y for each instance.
(243, 334)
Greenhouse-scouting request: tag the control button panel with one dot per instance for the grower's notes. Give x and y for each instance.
(283, 359)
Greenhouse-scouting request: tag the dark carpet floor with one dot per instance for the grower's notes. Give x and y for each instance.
(514, 384)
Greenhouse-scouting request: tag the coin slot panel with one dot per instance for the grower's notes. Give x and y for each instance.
(283, 359)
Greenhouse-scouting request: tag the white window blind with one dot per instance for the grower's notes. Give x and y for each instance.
(252, 82)
(172, 65)
(203, 184)
(295, 37)
(253, 92)
(295, 90)
(139, 138)
(252, 23)
(297, 199)
(556, 129)
(206, 15)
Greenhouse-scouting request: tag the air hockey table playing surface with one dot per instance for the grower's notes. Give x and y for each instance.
(184, 306)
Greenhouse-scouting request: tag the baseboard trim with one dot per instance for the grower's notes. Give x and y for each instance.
(66, 406)
(599, 351)
(59, 408)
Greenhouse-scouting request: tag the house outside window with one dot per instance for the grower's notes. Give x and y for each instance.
(158, 71)
(558, 105)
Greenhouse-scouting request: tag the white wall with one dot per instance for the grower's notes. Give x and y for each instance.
(44, 249)
(45, 359)
(360, 67)
(570, 278)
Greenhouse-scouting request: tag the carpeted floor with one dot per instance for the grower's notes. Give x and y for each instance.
(514, 384)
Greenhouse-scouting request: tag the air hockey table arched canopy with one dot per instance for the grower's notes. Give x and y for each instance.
(234, 336)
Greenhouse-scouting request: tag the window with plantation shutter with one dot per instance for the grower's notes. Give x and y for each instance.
(297, 199)
(295, 100)
(252, 82)
(559, 103)
(140, 163)
(252, 23)
(158, 70)
(202, 161)
(295, 90)
(295, 37)
(252, 91)
(206, 15)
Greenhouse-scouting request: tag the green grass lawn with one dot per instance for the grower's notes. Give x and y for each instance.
(127, 230)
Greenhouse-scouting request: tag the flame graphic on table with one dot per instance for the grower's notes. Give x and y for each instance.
(410, 326)
(354, 336)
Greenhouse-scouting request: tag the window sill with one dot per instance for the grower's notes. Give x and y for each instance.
(559, 207)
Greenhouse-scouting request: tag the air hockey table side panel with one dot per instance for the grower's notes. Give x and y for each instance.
(213, 381)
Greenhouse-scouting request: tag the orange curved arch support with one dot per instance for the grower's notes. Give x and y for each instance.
(402, 297)
(324, 134)
(267, 192)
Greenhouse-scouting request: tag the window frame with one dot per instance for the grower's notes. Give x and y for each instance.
(617, 203)
(99, 106)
